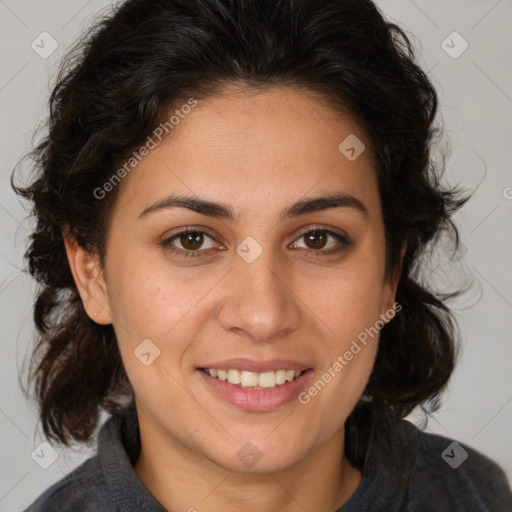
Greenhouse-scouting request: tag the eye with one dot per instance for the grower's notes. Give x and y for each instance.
(317, 241)
(191, 241)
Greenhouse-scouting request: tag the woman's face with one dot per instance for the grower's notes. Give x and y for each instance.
(250, 289)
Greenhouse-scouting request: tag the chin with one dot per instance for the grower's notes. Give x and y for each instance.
(252, 457)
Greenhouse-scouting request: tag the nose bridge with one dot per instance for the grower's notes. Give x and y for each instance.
(260, 301)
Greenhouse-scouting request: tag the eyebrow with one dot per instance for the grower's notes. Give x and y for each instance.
(223, 211)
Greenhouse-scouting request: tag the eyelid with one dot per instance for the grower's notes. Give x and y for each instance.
(189, 229)
(329, 230)
(342, 239)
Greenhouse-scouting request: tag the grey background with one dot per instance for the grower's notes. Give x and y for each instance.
(476, 96)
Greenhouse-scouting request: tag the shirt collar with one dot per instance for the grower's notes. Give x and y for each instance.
(118, 450)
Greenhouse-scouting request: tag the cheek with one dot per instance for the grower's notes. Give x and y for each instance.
(351, 299)
(350, 308)
(154, 326)
(148, 296)
(151, 300)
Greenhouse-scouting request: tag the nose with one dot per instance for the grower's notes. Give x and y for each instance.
(259, 301)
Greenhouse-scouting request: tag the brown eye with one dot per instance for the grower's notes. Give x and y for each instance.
(189, 243)
(315, 239)
(192, 240)
(322, 242)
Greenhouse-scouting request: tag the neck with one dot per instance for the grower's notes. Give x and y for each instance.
(182, 479)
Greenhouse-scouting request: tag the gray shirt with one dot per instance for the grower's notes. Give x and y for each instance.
(405, 469)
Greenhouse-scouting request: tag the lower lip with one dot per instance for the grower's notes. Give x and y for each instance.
(257, 399)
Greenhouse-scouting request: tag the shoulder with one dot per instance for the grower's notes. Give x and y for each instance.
(105, 482)
(83, 489)
(448, 475)
(409, 470)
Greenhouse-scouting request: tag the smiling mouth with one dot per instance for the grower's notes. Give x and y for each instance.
(253, 380)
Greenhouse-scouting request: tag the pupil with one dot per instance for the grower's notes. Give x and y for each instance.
(192, 240)
(317, 238)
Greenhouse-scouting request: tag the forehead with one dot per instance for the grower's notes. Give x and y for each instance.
(253, 149)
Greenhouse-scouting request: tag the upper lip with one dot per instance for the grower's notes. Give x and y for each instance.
(252, 365)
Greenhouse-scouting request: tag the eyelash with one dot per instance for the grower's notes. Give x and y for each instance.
(345, 243)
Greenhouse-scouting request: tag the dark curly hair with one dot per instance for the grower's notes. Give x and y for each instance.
(112, 91)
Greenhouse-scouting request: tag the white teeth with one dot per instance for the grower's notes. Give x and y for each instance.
(267, 379)
(280, 377)
(234, 377)
(248, 379)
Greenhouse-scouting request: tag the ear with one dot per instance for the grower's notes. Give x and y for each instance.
(389, 292)
(89, 280)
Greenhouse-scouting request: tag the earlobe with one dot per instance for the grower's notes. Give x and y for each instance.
(389, 309)
(89, 279)
(402, 252)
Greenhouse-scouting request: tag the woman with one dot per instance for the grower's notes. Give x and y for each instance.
(233, 201)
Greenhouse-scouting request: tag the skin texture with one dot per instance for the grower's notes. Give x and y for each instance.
(258, 152)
